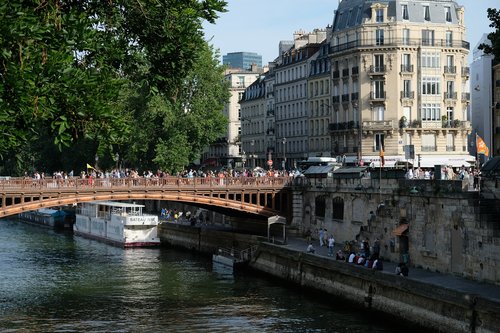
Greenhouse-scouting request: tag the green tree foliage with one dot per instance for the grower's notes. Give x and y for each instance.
(86, 73)
(494, 37)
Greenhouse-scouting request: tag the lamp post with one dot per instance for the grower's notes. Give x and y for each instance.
(243, 158)
(96, 160)
(117, 156)
(284, 154)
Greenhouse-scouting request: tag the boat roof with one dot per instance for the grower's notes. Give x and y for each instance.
(117, 204)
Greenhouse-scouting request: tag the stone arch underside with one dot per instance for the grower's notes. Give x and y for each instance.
(184, 197)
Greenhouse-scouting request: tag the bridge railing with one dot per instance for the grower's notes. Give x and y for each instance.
(165, 182)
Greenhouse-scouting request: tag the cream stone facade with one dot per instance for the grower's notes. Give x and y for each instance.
(495, 150)
(319, 103)
(399, 69)
(226, 151)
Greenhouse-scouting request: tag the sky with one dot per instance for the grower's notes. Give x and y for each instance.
(259, 25)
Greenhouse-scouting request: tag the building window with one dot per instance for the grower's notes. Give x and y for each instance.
(378, 113)
(379, 141)
(379, 15)
(430, 85)
(428, 142)
(407, 89)
(404, 9)
(406, 36)
(430, 60)
(449, 38)
(320, 206)
(428, 37)
(431, 112)
(447, 13)
(427, 13)
(378, 89)
(338, 208)
(378, 60)
(379, 37)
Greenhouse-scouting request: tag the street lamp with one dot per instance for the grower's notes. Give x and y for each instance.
(252, 143)
(243, 158)
(96, 160)
(117, 156)
(284, 154)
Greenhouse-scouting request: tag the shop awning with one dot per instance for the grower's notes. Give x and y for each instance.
(400, 229)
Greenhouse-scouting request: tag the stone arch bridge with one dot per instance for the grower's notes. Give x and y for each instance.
(261, 196)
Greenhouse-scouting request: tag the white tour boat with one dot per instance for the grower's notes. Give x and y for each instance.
(117, 223)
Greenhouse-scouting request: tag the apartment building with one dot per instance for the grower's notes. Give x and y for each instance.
(227, 151)
(290, 98)
(320, 103)
(253, 121)
(399, 78)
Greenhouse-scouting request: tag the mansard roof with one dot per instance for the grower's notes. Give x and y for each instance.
(353, 13)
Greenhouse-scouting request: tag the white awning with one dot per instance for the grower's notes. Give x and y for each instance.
(374, 161)
(455, 161)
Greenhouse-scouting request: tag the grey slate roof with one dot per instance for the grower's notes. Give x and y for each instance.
(352, 13)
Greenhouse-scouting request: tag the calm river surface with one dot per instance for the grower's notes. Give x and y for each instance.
(56, 282)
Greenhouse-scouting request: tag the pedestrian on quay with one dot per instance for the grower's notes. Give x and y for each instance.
(321, 237)
(310, 248)
(331, 245)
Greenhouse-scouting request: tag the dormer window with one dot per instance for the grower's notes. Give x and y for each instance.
(404, 9)
(379, 18)
(427, 13)
(447, 13)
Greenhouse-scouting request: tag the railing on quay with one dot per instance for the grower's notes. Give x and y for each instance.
(165, 182)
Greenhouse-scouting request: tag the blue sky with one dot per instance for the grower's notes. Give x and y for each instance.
(259, 25)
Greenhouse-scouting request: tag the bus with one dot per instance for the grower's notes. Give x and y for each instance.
(318, 161)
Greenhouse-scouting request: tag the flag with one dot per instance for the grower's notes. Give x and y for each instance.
(381, 154)
(90, 166)
(481, 147)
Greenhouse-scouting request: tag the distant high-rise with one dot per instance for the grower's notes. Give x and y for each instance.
(243, 60)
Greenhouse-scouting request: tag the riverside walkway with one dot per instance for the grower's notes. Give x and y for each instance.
(447, 281)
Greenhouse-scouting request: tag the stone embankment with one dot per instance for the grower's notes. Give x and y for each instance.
(441, 302)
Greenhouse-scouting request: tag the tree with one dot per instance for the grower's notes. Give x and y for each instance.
(70, 69)
(494, 37)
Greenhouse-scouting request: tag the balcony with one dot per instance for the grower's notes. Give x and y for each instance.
(465, 97)
(377, 97)
(333, 127)
(450, 148)
(390, 42)
(407, 94)
(378, 125)
(450, 95)
(450, 69)
(428, 148)
(345, 98)
(377, 70)
(406, 68)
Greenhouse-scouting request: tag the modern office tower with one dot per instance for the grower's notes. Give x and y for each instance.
(290, 99)
(399, 68)
(481, 96)
(242, 60)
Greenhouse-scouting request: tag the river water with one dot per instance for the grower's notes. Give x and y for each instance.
(57, 282)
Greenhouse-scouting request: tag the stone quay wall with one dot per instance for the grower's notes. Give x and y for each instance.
(448, 229)
(430, 306)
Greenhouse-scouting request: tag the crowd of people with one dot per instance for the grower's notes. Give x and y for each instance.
(367, 256)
